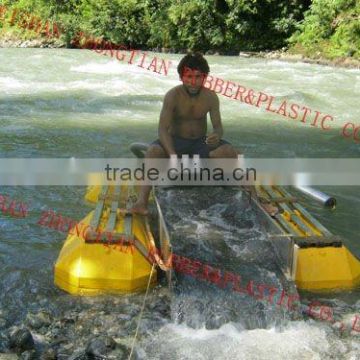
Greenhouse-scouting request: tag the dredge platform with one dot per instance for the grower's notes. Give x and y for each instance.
(119, 252)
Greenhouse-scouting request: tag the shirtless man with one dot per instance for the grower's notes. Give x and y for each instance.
(183, 123)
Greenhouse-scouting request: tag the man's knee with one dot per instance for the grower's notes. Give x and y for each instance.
(231, 151)
(224, 151)
(155, 151)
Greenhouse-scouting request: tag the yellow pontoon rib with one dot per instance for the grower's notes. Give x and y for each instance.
(310, 254)
(112, 255)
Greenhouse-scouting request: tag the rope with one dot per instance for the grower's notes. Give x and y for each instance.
(141, 312)
(165, 266)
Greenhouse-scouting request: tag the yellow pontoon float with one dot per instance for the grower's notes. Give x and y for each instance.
(116, 252)
(310, 255)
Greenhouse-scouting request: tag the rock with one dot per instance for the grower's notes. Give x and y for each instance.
(118, 332)
(69, 319)
(293, 57)
(273, 55)
(64, 351)
(8, 357)
(67, 348)
(34, 43)
(215, 321)
(133, 310)
(163, 308)
(2, 323)
(78, 355)
(55, 332)
(60, 356)
(39, 320)
(124, 317)
(100, 346)
(28, 355)
(49, 354)
(122, 352)
(348, 62)
(21, 339)
(210, 52)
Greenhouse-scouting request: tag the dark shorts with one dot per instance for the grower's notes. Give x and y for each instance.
(192, 146)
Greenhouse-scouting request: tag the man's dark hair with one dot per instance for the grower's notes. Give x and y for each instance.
(194, 61)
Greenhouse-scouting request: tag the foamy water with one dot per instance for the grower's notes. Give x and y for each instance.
(297, 341)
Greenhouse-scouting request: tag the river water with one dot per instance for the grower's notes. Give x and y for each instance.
(64, 103)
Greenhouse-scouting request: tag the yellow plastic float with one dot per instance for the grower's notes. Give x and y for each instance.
(310, 254)
(112, 255)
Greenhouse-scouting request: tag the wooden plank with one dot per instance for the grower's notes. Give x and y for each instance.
(286, 225)
(277, 199)
(310, 218)
(128, 224)
(128, 216)
(293, 217)
(113, 211)
(95, 220)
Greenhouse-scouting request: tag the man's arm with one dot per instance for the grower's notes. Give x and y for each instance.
(166, 117)
(215, 117)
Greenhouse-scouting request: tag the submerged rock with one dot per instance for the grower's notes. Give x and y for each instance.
(215, 321)
(21, 340)
(162, 307)
(2, 323)
(9, 356)
(29, 355)
(36, 321)
(100, 346)
(78, 355)
(124, 317)
(49, 354)
(122, 352)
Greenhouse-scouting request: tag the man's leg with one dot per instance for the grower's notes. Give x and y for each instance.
(224, 151)
(227, 151)
(140, 207)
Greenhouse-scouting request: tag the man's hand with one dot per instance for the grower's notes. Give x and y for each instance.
(213, 139)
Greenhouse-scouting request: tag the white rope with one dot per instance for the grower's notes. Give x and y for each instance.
(141, 312)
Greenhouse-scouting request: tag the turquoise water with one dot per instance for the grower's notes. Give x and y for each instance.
(63, 103)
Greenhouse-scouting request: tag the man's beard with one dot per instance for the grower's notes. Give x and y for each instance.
(192, 94)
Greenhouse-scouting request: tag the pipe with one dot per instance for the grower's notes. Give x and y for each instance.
(325, 199)
(139, 149)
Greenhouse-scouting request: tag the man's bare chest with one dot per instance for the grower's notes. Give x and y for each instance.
(192, 111)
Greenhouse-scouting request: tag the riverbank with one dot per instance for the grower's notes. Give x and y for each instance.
(290, 56)
(8, 40)
(346, 62)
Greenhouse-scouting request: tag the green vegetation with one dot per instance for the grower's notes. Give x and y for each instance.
(328, 28)
(331, 29)
(225, 26)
